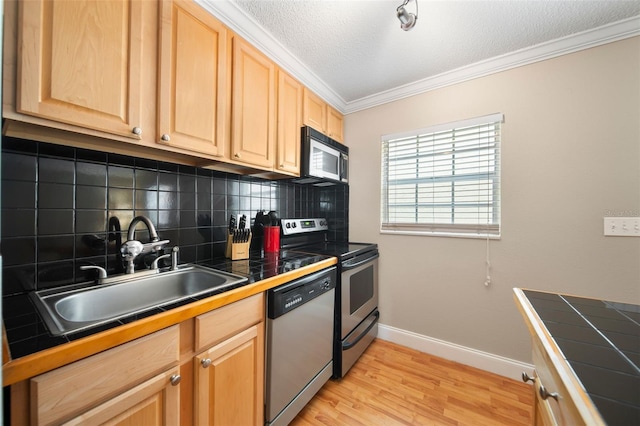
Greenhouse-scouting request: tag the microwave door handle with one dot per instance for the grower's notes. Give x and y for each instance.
(344, 161)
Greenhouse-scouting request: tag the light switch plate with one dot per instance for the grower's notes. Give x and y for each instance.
(622, 226)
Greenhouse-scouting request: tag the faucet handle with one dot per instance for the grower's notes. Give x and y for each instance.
(102, 273)
(174, 259)
(130, 249)
(155, 264)
(154, 246)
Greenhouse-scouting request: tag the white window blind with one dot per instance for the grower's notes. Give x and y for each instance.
(443, 180)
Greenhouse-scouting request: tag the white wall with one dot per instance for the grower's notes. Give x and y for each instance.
(570, 155)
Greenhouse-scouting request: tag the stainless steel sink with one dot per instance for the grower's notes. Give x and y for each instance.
(78, 307)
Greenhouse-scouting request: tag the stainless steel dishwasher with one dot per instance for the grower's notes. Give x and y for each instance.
(299, 357)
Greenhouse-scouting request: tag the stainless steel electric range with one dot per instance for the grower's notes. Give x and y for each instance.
(356, 297)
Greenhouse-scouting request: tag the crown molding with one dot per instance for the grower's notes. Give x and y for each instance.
(587, 39)
(249, 29)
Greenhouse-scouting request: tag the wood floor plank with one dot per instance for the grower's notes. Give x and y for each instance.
(392, 385)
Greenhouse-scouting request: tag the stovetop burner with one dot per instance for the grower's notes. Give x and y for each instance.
(310, 235)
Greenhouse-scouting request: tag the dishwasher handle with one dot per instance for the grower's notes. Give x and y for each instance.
(348, 345)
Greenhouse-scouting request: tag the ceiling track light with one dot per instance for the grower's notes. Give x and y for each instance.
(407, 20)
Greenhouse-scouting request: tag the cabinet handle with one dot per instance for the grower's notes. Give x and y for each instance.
(165, 137)
(137, 131)
(175, 380)
(544, 394)
(526, 378)
(236, 155)
(206, 362)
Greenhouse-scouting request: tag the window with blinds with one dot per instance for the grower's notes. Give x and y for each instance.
(443, 180)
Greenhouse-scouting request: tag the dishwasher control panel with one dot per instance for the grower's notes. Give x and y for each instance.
(289, 296)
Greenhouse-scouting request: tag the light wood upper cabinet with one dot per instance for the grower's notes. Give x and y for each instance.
(335, 125)
(166, 75)
(253, 123)
(193, 80)
(80, 63)
(315, 111)
(322, 117)
(290, 93)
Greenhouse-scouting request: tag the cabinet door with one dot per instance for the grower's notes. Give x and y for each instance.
(229, 381)
(193, 73)
(76, 388)
(335, 125)
(314, 111)
(155, 402)
(289, 124)
(253, 128)
(80, 62)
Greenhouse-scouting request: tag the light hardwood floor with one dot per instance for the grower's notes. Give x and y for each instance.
(395, 385)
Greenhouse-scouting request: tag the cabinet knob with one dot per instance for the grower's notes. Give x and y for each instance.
(165, 137)
(175, 380)
(526, 378)
(136, 131)
(544, 393)
(206, 362)
(236, 155)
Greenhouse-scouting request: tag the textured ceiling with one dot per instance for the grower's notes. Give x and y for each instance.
(357, 49)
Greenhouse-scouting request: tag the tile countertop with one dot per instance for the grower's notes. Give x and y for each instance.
(600, 340)
(29, 341)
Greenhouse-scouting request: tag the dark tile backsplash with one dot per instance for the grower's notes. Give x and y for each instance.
(65, 207)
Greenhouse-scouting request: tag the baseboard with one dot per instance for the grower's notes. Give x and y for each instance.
(483, 360)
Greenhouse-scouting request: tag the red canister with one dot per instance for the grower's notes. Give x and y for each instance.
(271, 239)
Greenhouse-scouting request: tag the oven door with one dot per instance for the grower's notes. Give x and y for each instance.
(359, 291)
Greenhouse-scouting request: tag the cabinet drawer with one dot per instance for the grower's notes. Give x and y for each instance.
(563, 411)
(224, 322)
(70, 390)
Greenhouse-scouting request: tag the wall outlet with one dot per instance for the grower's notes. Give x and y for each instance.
(622, 226)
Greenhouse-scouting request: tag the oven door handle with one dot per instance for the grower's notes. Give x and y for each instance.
(349, 345)
(346, 266)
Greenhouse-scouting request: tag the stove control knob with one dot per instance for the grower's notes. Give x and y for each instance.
(293, 225)
(288, 225)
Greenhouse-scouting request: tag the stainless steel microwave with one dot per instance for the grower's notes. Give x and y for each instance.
(324, 161)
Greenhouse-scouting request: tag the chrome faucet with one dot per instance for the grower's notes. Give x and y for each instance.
(131, 248)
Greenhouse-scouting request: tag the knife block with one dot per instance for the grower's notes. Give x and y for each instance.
(237, 251)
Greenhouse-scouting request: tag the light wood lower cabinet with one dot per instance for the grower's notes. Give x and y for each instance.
(207, 370)
(92, 388)
(553, 403)
(154, 402)
(228, 385)
(229, 365)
